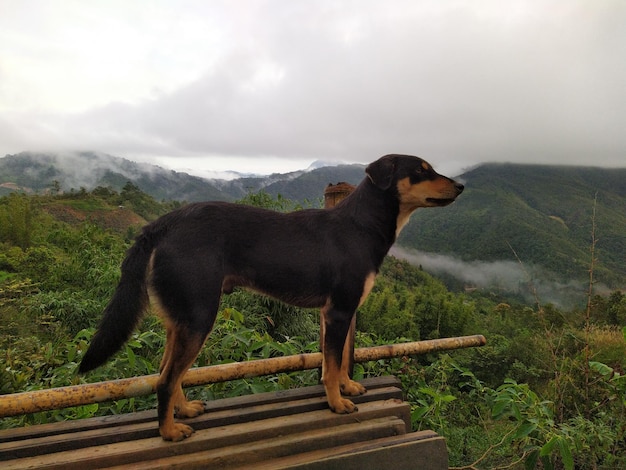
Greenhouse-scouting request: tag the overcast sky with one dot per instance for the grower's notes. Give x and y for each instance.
(264, 86)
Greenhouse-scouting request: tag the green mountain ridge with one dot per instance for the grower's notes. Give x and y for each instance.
(538, 215)
(37, 172)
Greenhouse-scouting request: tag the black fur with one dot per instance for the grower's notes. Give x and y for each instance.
(187, 259)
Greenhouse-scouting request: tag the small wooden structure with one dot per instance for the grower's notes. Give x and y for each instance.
(334, 193)
(292, 429)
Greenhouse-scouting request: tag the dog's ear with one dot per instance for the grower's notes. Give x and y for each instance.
(381, 172)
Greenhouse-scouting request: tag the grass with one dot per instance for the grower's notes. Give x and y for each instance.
(608, 345)
(86, 204)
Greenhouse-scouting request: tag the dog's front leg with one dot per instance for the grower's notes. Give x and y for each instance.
(336, 326)
(348, 386)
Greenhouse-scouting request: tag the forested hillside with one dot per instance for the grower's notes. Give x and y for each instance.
(540, 214)
(48, 172)
(546, 390)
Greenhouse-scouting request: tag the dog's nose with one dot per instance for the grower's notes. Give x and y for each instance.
(459, 187)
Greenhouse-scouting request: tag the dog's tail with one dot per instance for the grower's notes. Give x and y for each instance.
(125, 308)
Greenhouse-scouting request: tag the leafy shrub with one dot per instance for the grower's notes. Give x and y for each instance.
(547, 390)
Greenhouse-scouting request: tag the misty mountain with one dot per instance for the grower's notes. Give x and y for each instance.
(513, 223)
(537, 218)
(37, 172)
(300, 186)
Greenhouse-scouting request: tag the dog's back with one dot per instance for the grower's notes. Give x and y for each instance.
(187, 259)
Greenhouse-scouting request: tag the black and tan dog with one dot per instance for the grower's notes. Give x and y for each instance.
(183, 262)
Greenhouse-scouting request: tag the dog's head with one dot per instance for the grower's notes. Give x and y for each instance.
(414, 181)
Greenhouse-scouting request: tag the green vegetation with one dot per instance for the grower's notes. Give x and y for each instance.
(547, 391)
(543, 213)
(540, 212)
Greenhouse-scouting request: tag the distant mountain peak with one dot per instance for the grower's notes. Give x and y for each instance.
(317, 164)
(38, 171)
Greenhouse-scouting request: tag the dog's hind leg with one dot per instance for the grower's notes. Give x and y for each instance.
(184, 348)
(184, 408)
(186, 335)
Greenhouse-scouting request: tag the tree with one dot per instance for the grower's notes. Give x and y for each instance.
(16, 220)
(142, 203)
(55, 188)
(616, 308)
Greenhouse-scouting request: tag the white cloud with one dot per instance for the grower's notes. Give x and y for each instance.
(455, 82)
(533, 283)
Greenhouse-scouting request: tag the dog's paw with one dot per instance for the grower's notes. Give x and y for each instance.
(352, 388)
(343, 406)
(176, 432)
(190, 409)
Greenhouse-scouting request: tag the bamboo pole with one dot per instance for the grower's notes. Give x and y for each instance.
(62, 397)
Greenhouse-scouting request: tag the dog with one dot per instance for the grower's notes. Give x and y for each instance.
(183, 262)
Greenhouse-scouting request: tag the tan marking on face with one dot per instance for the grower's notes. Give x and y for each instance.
(416, 195)
(367, 287)
(441, 185)
(425, 166)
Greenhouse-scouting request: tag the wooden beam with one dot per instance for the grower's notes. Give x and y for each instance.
(63, 397)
